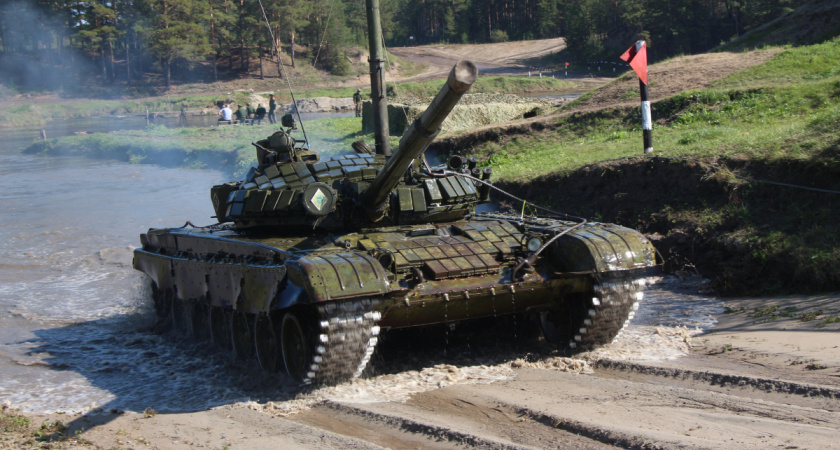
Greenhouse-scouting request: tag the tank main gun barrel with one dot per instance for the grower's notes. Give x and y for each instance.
(417, 138)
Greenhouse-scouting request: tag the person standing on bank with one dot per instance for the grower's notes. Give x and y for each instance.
(272, 105)
(357, 102)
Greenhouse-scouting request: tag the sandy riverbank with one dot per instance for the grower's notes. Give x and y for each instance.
(777, 358)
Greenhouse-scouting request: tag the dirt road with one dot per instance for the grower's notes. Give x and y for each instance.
(766, 376)
(505, 58)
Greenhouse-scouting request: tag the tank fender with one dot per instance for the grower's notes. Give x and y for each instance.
(602, 248)
(189, 277)
(260, 286)
(333, 276)
(157, 267)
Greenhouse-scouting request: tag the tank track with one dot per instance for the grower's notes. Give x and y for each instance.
(610, 309)
(347, 335)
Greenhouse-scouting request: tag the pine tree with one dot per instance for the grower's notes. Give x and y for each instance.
(174, 33)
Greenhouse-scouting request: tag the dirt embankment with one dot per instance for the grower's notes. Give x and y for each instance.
(643, 193)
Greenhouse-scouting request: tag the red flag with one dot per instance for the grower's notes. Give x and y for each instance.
(636, 56)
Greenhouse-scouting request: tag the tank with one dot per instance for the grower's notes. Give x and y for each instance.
(314, 258)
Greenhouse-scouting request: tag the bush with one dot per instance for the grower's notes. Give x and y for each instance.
(335, 61)
(498, 36)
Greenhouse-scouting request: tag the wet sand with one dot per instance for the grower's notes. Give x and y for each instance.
(762, 377)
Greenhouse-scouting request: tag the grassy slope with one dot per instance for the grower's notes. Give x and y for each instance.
(222, 148)
(776, 122)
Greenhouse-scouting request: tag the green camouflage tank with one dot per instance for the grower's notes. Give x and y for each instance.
(314, 257)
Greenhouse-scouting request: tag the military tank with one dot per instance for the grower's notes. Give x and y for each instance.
(313, 257)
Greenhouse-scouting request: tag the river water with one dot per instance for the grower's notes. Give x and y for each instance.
(75, 318)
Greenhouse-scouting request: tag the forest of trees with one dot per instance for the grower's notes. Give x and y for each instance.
(44, 42)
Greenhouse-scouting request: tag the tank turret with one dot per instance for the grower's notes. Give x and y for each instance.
(417, 138)
(293, 187)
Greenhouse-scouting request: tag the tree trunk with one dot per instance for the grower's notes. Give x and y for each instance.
(166, 65)
(292, 49)
(111, 57)
(262, 76)
(279, 59)
(215, 70)
(127, 62)
(242, 54)
(104, 68)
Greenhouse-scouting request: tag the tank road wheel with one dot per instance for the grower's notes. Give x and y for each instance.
(220, 328)
(560, 324)
(200, 320)
(240, 333)
(265, 343)
(181, 316)
(335, 347)
(296, 347)
(584, 321)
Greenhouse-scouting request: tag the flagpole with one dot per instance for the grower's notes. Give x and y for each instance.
(636, 56)
(647, 120)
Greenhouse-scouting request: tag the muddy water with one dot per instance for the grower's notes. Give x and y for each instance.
(75, 318)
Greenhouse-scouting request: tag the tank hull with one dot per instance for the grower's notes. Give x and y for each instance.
(245, 292)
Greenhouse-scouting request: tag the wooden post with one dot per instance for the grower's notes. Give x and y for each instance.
(647, 120)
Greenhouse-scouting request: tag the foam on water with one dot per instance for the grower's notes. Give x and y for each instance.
(400, 386)
(670, 314)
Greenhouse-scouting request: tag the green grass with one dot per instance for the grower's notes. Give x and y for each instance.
(795, 121)
(12, 423)
(795, 65)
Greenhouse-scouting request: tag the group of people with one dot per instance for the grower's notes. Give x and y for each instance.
(248, 112)
(226, 114)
